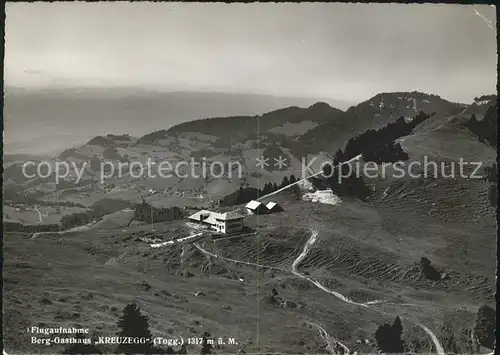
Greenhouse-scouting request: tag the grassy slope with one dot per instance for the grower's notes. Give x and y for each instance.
(367, 251)
(86, 278)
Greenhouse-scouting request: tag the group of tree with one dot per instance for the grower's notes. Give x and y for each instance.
(484, 327)
(111, 153)
(272, 187)
(491, 173)
(375, 145)
(428, 270)
(71, 153)
(389, 337)
(206, 347)
(247, 194)
(145, 212)
(485, 97)
(96, 211)
(416, 340)
(95, 163)
(152, 137)
(341, 180)
(378, 145)
(493, 194)
(491, 177)
(133, 323)
(447, 337)
(482, 333)
(79, 219)
(485, 129)
(101, 141)
(241, 196)
(31, 228)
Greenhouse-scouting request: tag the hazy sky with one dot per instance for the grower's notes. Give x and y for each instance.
(344, 51)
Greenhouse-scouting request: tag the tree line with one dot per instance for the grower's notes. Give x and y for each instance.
(491, 177)
(17, 227)
(247, 194)
(375, 145)
(485, 129)
(389, 337)
(379, 145)
(145, 212)
(97, 210)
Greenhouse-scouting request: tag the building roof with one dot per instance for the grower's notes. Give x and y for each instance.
(210, 216)
(271, 205)
(229, 216)
(253, 204)
(197, 216)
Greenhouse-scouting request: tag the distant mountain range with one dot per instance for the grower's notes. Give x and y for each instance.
(297, 135)
(310, 130)
(48, 121)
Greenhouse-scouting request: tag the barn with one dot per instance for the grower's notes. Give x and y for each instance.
(256, 207)
(274, 207)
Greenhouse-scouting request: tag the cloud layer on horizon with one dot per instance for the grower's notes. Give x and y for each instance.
(344, 51)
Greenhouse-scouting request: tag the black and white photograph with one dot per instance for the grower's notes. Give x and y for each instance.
(249, 178)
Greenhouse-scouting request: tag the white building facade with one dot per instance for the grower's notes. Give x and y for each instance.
(226, 223)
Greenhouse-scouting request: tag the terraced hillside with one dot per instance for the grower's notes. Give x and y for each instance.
(360, 252)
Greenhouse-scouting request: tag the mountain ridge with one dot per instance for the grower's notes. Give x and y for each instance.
(85, 113)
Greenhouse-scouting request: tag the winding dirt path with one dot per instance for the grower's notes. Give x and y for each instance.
(309, 243)
(307, 246)
(435, 340)
(40, 219)
(330, 340)
(332, 344)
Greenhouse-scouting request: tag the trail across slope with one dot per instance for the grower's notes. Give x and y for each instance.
(297, 261)
(309, 243)
(302, 255)
(332, 343)
(435, 340)
(40, 219)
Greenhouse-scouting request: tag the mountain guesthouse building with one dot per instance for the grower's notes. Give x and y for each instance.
(226, 223)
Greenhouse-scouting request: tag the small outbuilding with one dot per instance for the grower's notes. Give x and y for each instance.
(256, 207)
(274, 207)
